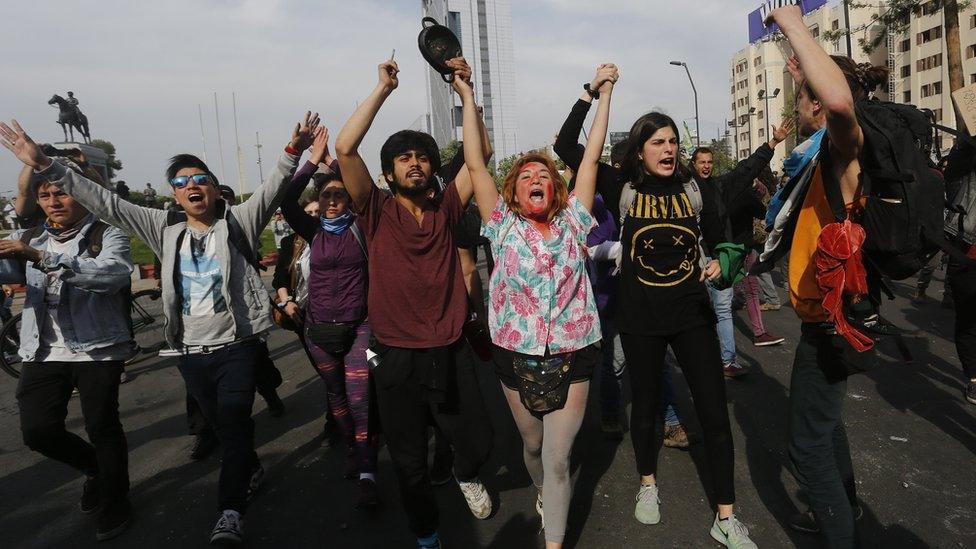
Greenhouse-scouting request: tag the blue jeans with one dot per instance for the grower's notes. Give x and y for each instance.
(722, 304)
(222, 382)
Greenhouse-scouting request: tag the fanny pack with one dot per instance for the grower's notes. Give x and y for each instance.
(543, 383)
(335, 338)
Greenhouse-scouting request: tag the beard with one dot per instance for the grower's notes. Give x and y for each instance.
(414, 191)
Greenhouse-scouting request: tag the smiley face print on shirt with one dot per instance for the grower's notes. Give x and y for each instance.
(664, 246)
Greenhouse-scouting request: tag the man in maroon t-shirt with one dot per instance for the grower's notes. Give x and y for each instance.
(417, 307)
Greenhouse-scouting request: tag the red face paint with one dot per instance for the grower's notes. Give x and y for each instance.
(534, 191)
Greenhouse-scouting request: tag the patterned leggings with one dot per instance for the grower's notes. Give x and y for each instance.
(347, 383)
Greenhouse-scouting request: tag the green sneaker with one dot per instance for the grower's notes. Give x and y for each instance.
(732, 533)
(648, 509)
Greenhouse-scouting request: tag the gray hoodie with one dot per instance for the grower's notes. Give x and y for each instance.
(242, 286)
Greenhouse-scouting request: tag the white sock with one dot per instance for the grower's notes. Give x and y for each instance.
(370, 476)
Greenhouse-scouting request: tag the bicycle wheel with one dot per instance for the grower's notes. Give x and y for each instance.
(10, 346)
(147, 321)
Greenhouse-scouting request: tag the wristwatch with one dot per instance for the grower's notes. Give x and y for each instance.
(593, 93)
(288, 299)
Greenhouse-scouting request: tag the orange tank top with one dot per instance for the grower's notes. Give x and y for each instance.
(805, 294)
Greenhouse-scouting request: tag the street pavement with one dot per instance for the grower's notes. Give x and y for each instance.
(913, 438)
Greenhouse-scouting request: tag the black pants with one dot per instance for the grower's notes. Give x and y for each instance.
(962, 281)
(406, 412)
(222, 383)
(43, 393)
(267, 378)
(698, 354)
(820, 455)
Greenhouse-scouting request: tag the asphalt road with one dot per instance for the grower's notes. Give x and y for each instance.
(913, 438)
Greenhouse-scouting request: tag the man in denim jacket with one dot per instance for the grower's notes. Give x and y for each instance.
(75, 332)
(215, 304)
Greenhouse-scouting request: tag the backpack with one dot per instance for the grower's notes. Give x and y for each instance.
(628, 193)
(93, 240)
(903, 215)
(961, 223)
(235, 235)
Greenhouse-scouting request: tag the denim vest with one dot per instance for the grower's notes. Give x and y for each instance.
(94, 304)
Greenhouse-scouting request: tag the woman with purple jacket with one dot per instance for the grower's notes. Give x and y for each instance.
(335, 324)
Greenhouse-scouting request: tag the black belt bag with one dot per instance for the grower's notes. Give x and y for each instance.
(335, 338)
(543, 383)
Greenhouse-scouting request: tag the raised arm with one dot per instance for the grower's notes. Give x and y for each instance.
(355, 175)
(146, 223)
(26, 202)
(607, 76)
(567, 146)
(825, 79)
(464, 182)
(303, 224)
(481, 182)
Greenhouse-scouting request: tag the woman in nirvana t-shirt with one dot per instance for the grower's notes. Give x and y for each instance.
(663, 301)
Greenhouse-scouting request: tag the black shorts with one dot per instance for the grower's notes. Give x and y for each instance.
(584, 363)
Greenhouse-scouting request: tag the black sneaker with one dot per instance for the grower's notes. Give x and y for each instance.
(442, 468)
(971, 392)
(257, 476)
(369, 497)
(203, 445)
(229, 529)
(90, 503)
(113, 520)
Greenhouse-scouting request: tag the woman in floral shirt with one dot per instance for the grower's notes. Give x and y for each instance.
(542, 314)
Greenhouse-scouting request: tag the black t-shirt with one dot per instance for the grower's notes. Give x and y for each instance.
(660, 292)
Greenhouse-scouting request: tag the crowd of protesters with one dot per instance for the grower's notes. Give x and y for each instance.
(629, 267)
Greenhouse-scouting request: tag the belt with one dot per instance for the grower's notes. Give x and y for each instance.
(207, 349)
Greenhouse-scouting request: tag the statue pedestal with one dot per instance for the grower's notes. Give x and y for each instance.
(96, 157)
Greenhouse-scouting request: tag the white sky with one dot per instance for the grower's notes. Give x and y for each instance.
(140, 69)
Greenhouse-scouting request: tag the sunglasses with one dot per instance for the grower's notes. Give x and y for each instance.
(334, 195)
(183, 180)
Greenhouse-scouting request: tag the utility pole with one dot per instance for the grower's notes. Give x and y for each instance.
(203, 138)
(220, 145)
(257, 145)
(847, 25)
(240, 155)
(695, 91)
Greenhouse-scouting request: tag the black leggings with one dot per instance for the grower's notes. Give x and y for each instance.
(698, 354)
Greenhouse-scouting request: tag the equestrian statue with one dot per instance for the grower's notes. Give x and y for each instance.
(70, 117)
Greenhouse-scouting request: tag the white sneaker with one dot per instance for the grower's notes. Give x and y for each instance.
(229, 529)
(732, 533)
(477, 497)
(648, 508)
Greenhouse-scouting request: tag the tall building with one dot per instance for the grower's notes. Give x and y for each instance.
(485, 30)
(917, 60)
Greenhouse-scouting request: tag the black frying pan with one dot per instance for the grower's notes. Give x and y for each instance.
(438, 45)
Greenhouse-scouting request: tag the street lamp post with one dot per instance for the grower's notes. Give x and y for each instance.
(766, 97)
(695, 91)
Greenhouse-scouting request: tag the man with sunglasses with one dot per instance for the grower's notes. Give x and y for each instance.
(214, 301)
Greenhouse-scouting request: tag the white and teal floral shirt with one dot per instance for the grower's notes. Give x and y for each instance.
(540, 294)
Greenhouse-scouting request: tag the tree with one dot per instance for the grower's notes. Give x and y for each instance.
(502, 167)
(722, 159)
(448, 152)
(896, 18)
(113, 164)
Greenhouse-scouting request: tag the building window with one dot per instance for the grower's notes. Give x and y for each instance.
(906, 71)
(759, 79)
(972, 78)
(929, 62)
(762, 133)
(905, 45)
(757, 61)
(935, 88)
(760, 115)
(815, 31)
(907, 97)
(931, 7)
(927, 36)
(971, 51)
(972, 21)
(937, 113)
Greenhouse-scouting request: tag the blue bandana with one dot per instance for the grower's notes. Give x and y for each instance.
(794, 165)
(337, 225)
